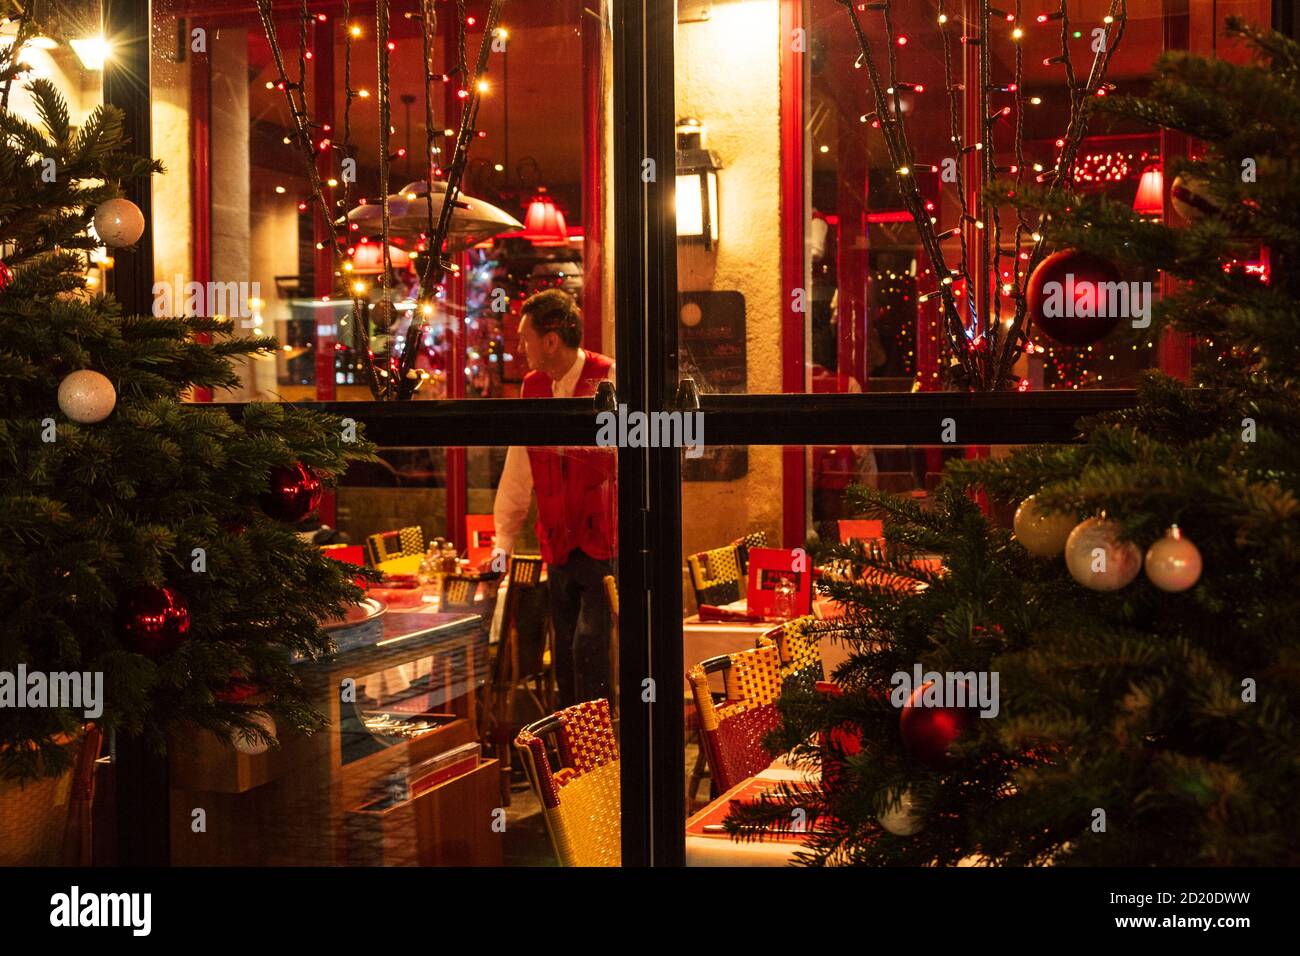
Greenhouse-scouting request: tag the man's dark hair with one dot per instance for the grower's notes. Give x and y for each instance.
(554, 310)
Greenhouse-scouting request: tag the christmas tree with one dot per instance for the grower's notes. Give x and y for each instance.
(1139, 718)
(141, 538)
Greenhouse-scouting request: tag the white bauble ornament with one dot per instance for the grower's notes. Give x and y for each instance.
(87, 396)
(119, 222)
(254, 746)
(1173, 563)
(1096, 557)
(1190, 198)
(904, 818)
(1042, 534)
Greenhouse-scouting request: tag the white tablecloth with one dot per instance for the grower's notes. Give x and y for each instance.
(724, 851)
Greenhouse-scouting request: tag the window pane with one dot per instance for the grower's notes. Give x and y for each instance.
(819, 280)
(742, 583)
(237, 213)
(436, 675)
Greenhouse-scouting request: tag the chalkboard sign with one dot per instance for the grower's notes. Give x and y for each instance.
(711, 350)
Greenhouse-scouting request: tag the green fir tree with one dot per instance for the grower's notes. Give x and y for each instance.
(1177, 714)
(90, 511)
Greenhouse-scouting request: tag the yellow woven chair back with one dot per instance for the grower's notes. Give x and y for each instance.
(526, 569)
(580, 800)
(755, 539)
(715, 575)
(733, 731)
(395, 544)
(799, 646)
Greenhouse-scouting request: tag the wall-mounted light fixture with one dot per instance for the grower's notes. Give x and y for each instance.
(697, 185)
(92, 51)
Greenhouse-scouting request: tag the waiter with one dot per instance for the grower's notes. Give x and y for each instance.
(577, 498)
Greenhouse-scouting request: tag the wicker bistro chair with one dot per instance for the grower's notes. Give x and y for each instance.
(798, 644)
(733, 730)
(580, 801)
(611, 594)
(522, 664)
(395, 544)
(470, 592)
(755, 539)
(716, 576)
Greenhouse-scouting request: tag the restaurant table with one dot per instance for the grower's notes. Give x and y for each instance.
(706, 849)
(425, 600)
(704, 639)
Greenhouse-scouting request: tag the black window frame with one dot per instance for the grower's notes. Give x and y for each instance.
(650, 494)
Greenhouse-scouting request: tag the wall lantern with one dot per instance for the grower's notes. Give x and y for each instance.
(92, 51)
(697, 185)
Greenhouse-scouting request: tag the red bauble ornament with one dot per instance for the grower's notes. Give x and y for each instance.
(294, 493)
(1077, 299)
(928, 731)
(6, 276)
(152, 621)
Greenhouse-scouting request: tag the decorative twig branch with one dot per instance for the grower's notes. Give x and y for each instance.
(434, 274)
(397, 380)
(979, 344)
(1077, 129)
(900, 154)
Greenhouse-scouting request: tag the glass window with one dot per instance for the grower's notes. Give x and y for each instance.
(814, 276)
(436, 748)
(237, 211)
(743, 586)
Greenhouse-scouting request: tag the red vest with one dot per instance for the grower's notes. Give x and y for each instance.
(577, 489)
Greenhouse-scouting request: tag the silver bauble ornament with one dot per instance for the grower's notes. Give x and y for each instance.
(1190, 198)
(1096, 557)
(904, 818)
(119, 222)
(87, 396)
(1042, 534)
(1173, 563)
(254, 746)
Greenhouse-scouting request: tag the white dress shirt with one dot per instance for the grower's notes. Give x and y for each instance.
(515, 492)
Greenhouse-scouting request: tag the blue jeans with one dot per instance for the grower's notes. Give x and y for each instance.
(580, 618)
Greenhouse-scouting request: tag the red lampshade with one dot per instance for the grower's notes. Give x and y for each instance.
(1150, 199)
(544, 222)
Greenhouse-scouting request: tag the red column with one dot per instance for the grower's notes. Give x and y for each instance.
(794, 213)
(454, 304)
(593, 180)
(322, 45)
(201, 181)
(322, 109)
(853, 261)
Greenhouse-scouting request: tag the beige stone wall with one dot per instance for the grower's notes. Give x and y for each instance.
(728, 76)
(173, 231)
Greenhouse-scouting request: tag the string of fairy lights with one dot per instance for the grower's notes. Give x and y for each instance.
(985, 345)
(396, 378)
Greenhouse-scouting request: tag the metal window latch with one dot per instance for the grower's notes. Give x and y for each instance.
(606, 399)
(688, 396)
